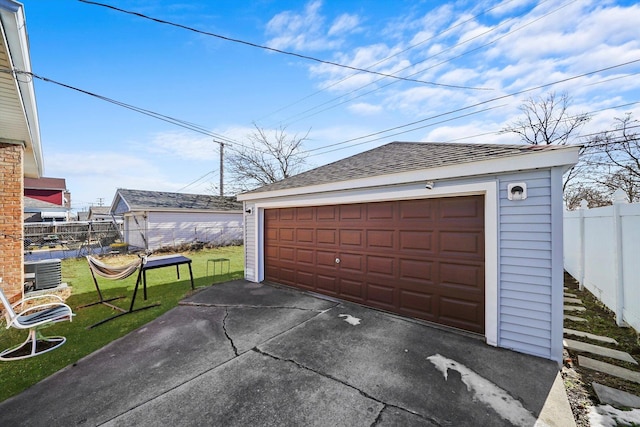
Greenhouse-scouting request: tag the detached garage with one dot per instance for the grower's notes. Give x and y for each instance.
(464, 235)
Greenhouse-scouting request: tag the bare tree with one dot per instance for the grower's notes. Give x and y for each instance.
(267, 158)
(547, 121)
(593, 195)
(613, 158)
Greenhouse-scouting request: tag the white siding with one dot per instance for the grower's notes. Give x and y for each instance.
(525, 265)
(133, 232)
(250, 242)
(168, 229)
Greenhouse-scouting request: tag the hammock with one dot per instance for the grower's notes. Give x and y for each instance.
(112, 273)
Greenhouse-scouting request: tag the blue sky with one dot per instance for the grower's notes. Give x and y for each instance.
(468, 55)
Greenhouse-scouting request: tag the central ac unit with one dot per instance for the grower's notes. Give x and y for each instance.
(48, 273)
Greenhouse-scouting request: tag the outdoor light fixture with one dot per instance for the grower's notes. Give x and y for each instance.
(429, 185)
(517, 191)
(248, 211)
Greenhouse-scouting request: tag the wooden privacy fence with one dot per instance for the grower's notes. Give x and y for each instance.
(602, 252)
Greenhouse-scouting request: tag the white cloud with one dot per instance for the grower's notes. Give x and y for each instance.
(344, 23)
(184, 145)
(365, 109)
(307, 30)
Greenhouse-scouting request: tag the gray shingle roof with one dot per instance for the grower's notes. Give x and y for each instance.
(142, 199)
(398, 157)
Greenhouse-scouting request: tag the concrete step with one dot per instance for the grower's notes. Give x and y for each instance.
(600, 351)
(568, 295)
(575, 318)
(607, 368)
(572, 300)
(595, 337)
(613, 396)
(574, 308)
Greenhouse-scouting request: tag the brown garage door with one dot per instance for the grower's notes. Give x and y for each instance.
(419, 258)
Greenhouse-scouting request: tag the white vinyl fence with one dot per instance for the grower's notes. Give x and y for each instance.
(602, 252)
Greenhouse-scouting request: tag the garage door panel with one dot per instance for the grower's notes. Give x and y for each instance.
(352, 238)
(327, 213)
(306, 279)
(287, 275)
(286, 234)
(352, 212)
(305, 256)
(382, 266)
(271, 253)
(326, 237)
(462, 314)
(326, 259)
(412, 269)
(461, 209)
(352, 263)
(417, 210)
(418, 258)
(326, 283)
(419, 304)
(304, 214)
(287, 254)
(381, 211)
(382, 295)
(287, 214)
(417, 240)
(380, 239)
(464, 243)
(467, 276)
(305, 236)
(352, 289)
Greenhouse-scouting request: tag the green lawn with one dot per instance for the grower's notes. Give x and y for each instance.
(163, 287)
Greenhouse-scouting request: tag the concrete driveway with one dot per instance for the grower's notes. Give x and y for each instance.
(240, 354)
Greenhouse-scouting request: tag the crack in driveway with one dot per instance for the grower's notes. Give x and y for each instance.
(204, 304)
(385, 405)
(226, 334)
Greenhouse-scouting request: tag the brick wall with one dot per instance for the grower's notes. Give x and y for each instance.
(11, 219)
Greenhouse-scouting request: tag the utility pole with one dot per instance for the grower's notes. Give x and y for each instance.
(221, 168)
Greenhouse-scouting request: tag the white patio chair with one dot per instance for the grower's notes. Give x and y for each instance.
(34, 318)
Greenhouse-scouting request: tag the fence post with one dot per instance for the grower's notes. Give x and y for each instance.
(584, 205)
(619, 197)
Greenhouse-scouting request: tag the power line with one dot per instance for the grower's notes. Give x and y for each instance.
(150, 113)
(413, 46)
(284, 52)
(431, 66)
(466, 108)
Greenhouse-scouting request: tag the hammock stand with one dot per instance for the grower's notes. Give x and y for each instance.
(114, 273)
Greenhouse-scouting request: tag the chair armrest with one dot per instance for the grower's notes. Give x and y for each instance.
(22, 301)
(42, 307)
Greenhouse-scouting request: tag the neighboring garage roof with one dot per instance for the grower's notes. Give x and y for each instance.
(136, 200)
(399, 157)
(45, 183)
(31, 204)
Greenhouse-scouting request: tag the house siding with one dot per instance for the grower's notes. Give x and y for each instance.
(526, 265)
(174, 229)
(250, 241)
(134, 232)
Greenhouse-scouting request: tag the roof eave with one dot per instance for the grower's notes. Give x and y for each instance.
(185, 210)
(15, 34)
(565, 157)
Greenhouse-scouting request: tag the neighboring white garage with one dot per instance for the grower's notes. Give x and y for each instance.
(464, 235)
(159, 219)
